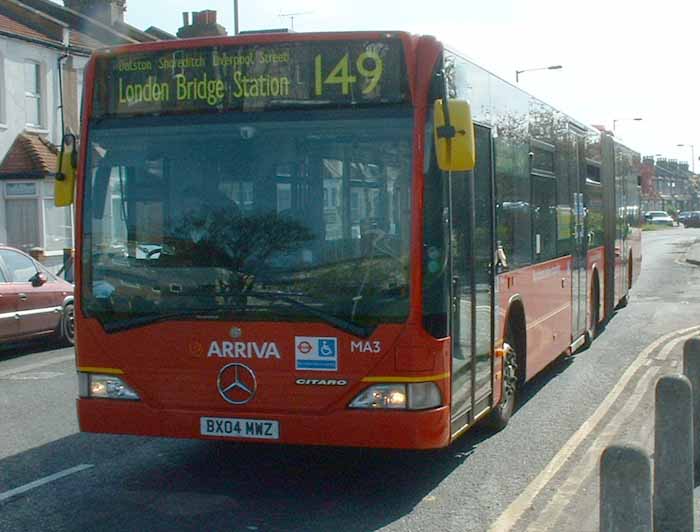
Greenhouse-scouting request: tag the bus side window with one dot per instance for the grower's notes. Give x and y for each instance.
(513, 208)
(544, 218)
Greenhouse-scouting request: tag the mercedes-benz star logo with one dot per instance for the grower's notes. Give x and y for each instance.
(236, 384)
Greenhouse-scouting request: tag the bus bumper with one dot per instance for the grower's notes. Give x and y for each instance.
(427, 429)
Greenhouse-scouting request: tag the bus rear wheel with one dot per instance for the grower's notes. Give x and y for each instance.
(594, 328)
(500, 415)
(626, 298)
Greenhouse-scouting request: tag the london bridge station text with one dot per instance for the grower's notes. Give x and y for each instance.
(196, 83)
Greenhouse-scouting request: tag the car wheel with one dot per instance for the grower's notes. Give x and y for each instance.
(68, 324)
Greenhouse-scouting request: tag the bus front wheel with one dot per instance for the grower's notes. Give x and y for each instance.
(501, 414)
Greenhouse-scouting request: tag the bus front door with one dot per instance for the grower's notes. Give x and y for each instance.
(471, 257)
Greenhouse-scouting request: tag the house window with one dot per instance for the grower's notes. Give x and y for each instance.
(58, 222)
(32, 93)
(22, 214)
(20, 189)
(35, 219)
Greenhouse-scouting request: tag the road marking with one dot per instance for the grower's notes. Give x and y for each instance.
(683, 262)
(42, 481)
(41, 375)
(555, 508)
(519, 506)
(663, 354)
(29, 367)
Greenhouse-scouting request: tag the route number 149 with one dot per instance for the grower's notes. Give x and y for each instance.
(369, 65)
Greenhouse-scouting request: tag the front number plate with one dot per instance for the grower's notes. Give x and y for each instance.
(229, 427)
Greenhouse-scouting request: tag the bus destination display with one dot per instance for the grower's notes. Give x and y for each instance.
(251, 78)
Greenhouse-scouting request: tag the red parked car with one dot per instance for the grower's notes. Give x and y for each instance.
(33, 301)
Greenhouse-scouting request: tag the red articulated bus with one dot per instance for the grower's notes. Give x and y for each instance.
(315, 239)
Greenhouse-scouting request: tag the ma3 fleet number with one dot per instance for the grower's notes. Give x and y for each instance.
(365, 347)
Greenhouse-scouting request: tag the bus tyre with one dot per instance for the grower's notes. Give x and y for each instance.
(500, 415)
(68, 324)
(626, 298)
(594, 329)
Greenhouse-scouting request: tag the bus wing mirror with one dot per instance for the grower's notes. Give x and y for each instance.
(64, 188)
(454, 136)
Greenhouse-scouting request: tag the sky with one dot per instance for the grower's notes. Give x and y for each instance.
(621, 59)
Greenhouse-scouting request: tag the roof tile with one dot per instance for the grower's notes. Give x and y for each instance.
(12, 26)
(30, 153)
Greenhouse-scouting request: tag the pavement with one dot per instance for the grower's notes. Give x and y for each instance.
(692, 257)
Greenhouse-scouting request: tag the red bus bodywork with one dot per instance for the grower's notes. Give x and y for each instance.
(169, 366)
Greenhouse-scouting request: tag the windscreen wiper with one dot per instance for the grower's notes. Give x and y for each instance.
(215, 313)
(142, 321)
(340, 323)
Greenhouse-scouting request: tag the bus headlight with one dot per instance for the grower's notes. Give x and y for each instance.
(404, 396)
(104, 387)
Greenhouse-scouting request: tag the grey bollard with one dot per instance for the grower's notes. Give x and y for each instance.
(691, 369)
(673, 455)
(625, 490)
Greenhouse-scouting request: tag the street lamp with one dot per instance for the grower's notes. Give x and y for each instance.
(692, 153)
(518, 72)
(235, 17)
(623, 120)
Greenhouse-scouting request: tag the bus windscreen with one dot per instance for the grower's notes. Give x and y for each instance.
(251, 78)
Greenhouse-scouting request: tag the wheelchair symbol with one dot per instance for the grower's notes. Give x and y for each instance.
(326, 349)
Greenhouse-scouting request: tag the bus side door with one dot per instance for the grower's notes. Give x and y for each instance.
(471, 259)
(580, 244)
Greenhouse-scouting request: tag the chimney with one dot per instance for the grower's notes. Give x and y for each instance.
(203, 25)
(106, 11)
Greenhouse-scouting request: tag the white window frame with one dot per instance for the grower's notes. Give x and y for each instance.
(3, 95)
(43, 193)
(36, 197)
(38, 96)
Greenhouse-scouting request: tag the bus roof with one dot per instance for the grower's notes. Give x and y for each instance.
(254, 38)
